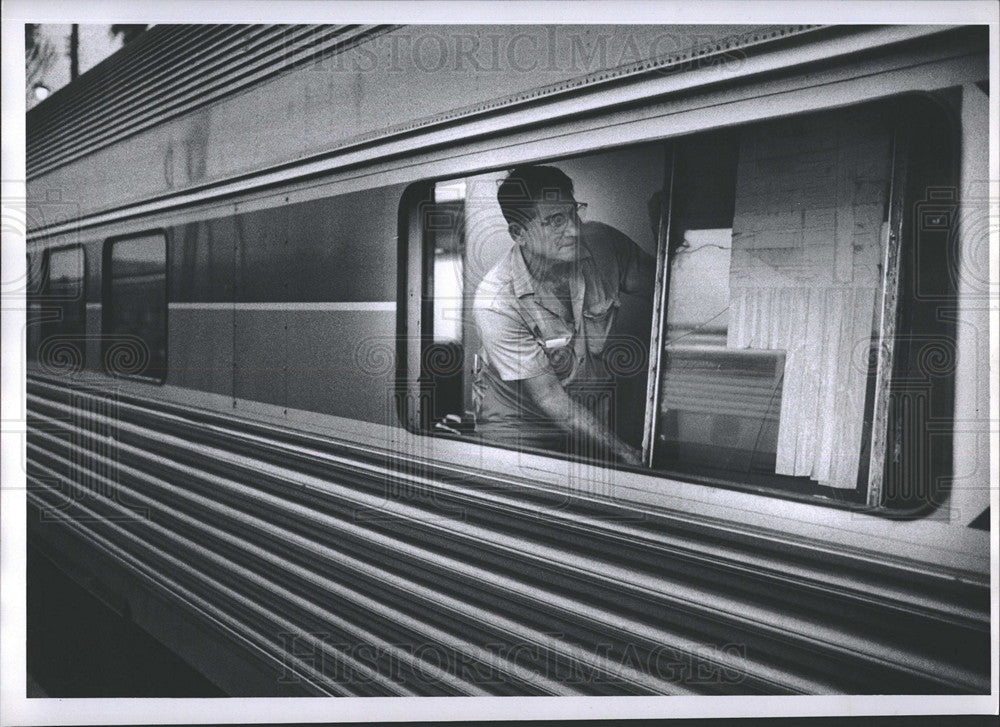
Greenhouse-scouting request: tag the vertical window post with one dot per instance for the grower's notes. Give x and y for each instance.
(658, 325)
(413, 290)
(886, 313)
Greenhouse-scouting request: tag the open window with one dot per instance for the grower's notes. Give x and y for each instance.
(135, 306)
(786, 344)
(459, 235)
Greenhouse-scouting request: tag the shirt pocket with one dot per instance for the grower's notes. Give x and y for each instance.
(600, 308)
(549, 330)
(562, 359)
(597, 318)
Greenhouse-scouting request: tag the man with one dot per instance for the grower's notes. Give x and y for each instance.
(545, 312)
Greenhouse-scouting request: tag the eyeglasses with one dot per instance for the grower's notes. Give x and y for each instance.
(560, 219)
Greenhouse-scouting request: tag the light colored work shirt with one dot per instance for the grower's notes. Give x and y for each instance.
(529, 329)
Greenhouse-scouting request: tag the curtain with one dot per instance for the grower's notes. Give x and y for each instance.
(805, 277)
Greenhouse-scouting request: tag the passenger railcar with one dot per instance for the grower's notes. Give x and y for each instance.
(251, 402)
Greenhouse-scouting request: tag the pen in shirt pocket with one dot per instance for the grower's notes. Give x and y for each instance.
(555, 343)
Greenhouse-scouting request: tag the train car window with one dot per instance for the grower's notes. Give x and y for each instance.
(772, 278)
(772, 350)
(135, 307)
(62, 345)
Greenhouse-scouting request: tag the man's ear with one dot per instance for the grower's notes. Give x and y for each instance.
(516, 232)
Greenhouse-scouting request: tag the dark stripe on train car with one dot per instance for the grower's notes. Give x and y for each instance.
(263, 303)
(336, 249)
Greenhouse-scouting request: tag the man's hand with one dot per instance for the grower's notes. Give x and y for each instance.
(576, 419)
(630, 455)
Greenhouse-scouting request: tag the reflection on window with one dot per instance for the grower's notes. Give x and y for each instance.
(136, 307)
(62, 346)
(718, 406)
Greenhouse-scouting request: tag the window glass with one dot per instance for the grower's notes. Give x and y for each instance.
(63, 307)
(773, 278)
(136, 307)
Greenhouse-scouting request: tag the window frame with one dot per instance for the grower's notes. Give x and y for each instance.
(107, 315)
(415, 296)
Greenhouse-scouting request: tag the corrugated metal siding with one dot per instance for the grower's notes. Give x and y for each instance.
(400, 577)
(168, 71)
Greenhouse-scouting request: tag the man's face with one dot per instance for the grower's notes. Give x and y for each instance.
(554, 233)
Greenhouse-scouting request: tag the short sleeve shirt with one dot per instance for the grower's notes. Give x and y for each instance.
(528, 330)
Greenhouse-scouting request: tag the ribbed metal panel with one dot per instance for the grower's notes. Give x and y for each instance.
(166, 72)
(415, 578)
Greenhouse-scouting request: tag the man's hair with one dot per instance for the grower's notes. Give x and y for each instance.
(528, 184)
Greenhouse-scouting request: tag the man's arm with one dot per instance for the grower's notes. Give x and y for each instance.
(641, 273)
(636, 267)
(515, 355)
(575, 418)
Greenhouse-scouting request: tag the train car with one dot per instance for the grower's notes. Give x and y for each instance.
(252, 363)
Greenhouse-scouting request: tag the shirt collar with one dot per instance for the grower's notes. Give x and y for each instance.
(522, 281)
